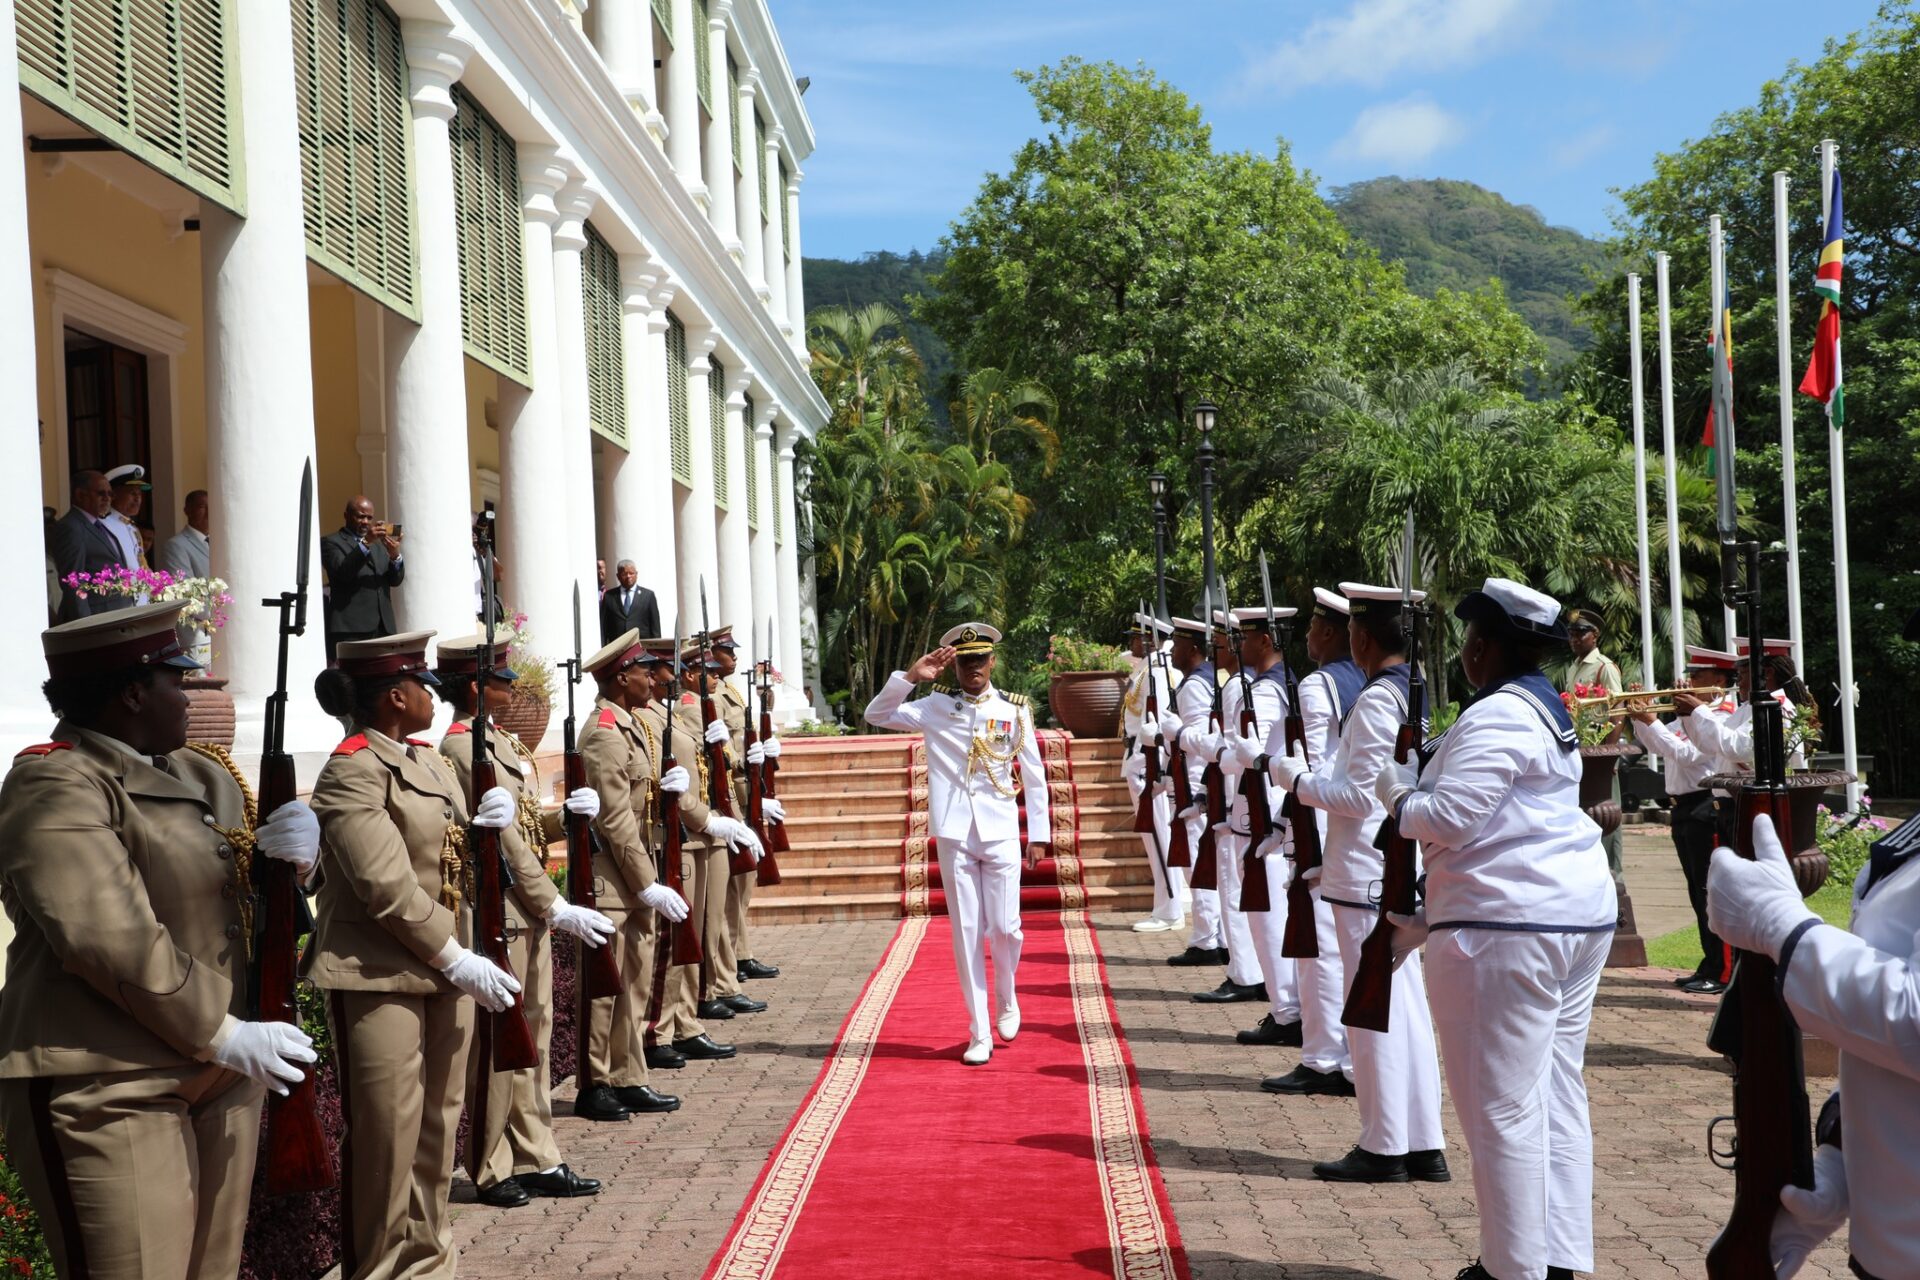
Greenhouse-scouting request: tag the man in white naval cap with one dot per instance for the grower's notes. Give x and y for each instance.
(980, 745)
(1190, 711)
(1396, 1073)
(1149, 689)
(1521, 910)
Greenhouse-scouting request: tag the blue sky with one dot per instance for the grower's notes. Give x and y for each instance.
(1549, 102)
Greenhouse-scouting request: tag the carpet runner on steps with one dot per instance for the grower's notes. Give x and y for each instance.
(901, 1161)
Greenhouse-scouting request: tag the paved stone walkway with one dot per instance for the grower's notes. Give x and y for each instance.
(1236, 1161)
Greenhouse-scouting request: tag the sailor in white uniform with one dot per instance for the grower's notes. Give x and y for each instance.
(1191, 712)
(1148, 687)
(980, 744)
(1395, 1073)
(1521, 910)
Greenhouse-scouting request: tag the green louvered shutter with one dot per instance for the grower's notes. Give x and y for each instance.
(350, 85)
(702, 59)
(752, 455)
(606, 358)
(773, 491)
(717, 428)
(154, 77)
(663, 14)
(786, 223)
(679, 439)
(493, 272)
(733, 105)
(760, 158)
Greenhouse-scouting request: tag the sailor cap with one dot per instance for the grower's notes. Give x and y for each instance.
(1515, 607)
(1256, 619)
(1769, 647)
(461, 657)
(617, 655)
(1703, 659)
(1147, 624)
(1364, 598)
(401, 655)
(1328, 603)
(971, 637)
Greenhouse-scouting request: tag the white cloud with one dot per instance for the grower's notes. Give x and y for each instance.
(1375, 41)
(1406, 132)
(1571, 153)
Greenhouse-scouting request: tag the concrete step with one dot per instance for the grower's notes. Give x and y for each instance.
(842, 828)
(823, 804)
(819, 910)
(817, 881)
(809, 778)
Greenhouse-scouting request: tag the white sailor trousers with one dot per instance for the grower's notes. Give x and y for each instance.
(1513, 1009)
(1269, 931)
(1396, 1072)
(1243, 962)
(1207, 929)
(1322, 986)
(982, 880)
(1169, 889)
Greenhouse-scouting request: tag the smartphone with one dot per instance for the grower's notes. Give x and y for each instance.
(393, 530)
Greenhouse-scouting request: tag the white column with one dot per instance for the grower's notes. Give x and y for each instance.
(766, 568)
(773, 252)
(427, 468)
(736, 564)
(574, 203)
(753, 248)
(683, 104)
(698, 547)
(259, 378)
(787, 567)
(719, 154)
(623, 33)
(639, 483)
(796, 295)
(533, 466)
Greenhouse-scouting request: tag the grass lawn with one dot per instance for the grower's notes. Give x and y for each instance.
(1681, 948)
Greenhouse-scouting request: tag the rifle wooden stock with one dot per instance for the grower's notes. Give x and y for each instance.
(1254, 893)
(766, 871)
(776, 830)
(1143, 822)
(686, 936)
(599, 970)
(1180, 849)
(1301, 940)
(511, 1039)
(1370, 997)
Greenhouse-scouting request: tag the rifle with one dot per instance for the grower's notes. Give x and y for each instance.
(599, 971)
(686, 937)
(1206, 867)
(1180, 850)
(1301, 941)
(1370, 996)
(766, 871)
(1143, 816)
(501, 1041)
(1254, 893)
(296, 1157)
(719, 776)
(1772, 1137)
(774, 837)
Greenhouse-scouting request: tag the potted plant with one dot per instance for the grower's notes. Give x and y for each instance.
(1600, 753)
(210, 711)
(1086, 685)
(528, 712)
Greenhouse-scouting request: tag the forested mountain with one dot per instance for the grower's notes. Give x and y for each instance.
(891, 278)
(1456, 235)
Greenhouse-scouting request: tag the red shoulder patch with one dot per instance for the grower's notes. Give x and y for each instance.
(687, 699)
(458, 727)
(419, 742)
(358, 742)
(607, 719)
(45, 749)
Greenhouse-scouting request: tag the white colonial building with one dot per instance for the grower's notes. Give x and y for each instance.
(531, 254)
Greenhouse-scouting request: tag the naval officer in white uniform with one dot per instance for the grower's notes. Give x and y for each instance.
(1150, 686)
(980, 742)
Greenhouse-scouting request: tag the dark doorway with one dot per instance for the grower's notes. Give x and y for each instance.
(107, 422)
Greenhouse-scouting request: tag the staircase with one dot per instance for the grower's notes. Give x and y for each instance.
(850, 803)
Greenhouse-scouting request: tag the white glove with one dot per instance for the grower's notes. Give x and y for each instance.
(1164, 787)
(1809, 1217)
(497, 809)
(1204, 745)
(756, 754)
(1312, 874)
(1240, 752)
(291, 833)
(1755, 904)
(716, 733)
(491, 987)
(736, 833)
(584, 801)
(675, 781)
(1272, 845)
(583, 923)
(270, 1052)
(775, 811)
(1170, 726)
(1288, 769)
(665, 901)
(771, 746)
(1409, 933)
(1394, 781)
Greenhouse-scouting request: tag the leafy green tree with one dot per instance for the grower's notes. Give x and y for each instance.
(993, 401)
(863, 368)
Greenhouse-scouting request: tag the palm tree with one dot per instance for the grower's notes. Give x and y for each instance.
(993, 401)
(863, 364)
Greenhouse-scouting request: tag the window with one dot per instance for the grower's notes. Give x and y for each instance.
(702, 56)
(733, 105)
(752, 455)
(680, 445)
(606, 360)
(486, 201)
(717, 424)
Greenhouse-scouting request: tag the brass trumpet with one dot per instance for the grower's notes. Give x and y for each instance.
(1635, 701)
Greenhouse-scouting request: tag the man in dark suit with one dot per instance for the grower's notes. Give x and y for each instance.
(363, 565)
(82, 543)
(628, 606)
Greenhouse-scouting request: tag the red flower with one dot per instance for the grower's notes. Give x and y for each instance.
(21, 1265)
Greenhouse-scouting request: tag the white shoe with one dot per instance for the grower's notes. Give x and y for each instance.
(1009, 1024)
(977, 1053)
(1153, 924)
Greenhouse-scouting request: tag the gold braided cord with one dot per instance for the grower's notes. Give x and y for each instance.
(983, 757)
(651, 803)
(241, 838)
(455, 870)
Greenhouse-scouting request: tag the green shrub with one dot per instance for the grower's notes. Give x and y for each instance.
(23, 1249)
(1846, 841)
(1070, 653)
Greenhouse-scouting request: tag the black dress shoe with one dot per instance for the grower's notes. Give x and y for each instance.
(599, 1103)
(1305, 1080)
(1428, 1166)
(504, 1194)
(1219, 955)
(1703, 987)
(744, 1004)
(1361, 1165)
(754, 969)
(560, 1182)
(1685, 978)
(1475, 1272)
(1193, 958)
(714, 1009)
(661, 1057)
(641, 1100)
(703, 1047)
(1271, 1032)
(1231, 992)
(1559, 1273)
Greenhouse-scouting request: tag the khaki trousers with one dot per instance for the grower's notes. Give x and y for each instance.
(137, 1175)
(616, 1049)
(516, 1134)
(403, 1074)
(706, 877)
(725, 978)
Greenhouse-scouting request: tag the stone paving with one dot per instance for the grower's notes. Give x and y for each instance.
(1236, 1161)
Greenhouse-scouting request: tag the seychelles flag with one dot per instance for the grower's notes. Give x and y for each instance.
(1720, 346)
(1823, 372)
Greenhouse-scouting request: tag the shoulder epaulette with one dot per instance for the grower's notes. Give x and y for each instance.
(947, 689)
(607, 719)
(687, 699)
(45, 749)
(458, 727)
(419, 742)
(358, 742)
(1017, 699)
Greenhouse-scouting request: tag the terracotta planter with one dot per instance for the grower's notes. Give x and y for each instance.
(1598, 765)
(210, 715)
(1087, 703)
(526, 717)
(1805, 791)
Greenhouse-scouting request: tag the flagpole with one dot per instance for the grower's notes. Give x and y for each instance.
(1676, 620)
(1722, 431)
(1837, 483)
(1648, 679)
(1789, 492)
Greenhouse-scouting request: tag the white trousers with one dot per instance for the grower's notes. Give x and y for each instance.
(982, 879)
(1269, 930)
(1243, 963)
(1169, 883)
(1208, 930)
(1396, 1073)
(1513, 1011)
(1322, 984)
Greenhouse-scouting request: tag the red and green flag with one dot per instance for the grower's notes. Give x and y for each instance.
(1823, 371)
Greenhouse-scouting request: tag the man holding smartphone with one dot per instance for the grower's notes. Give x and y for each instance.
(363, 564)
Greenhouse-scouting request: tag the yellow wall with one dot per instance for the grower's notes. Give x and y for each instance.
(483, 441)
(336, 399)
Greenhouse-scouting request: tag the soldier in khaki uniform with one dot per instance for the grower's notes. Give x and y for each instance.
(388, 950)
(730, 971)
(518, 1156)
(130, 1086)
(622, 764)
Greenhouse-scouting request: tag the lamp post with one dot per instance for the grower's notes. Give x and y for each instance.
(1204, 415)
(1157, 485)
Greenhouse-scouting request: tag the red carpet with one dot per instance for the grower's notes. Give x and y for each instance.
(904, 1162)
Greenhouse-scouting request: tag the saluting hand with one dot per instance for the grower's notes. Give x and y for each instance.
(931, 665)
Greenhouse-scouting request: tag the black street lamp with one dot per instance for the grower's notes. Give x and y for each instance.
(1157, 485)
(1204, 415)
